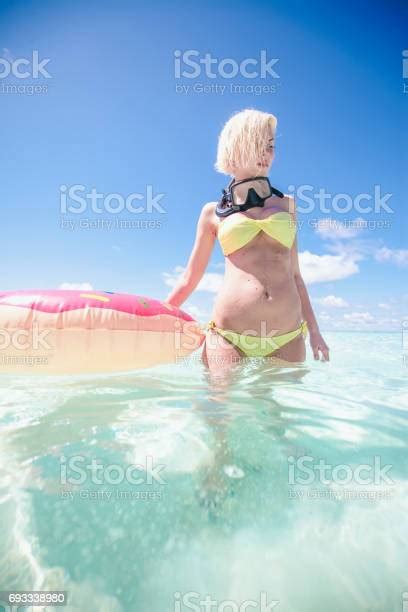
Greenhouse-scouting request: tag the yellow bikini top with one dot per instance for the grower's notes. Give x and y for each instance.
(237, 230)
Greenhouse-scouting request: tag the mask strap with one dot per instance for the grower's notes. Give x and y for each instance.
(226, 194)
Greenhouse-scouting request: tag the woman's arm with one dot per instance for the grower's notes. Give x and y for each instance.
(199, 258)
(316, 340)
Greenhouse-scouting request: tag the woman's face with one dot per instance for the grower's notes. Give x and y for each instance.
(262, 165)
(265, 161)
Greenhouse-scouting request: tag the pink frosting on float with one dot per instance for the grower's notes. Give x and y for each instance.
(62, 300)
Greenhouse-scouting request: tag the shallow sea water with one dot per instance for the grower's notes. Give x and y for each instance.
(284, 485)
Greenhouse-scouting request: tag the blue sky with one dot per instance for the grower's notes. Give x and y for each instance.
(110, 114)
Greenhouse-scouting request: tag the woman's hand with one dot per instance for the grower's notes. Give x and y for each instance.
(318, 344)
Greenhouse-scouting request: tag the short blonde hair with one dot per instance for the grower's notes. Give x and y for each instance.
(242, 139)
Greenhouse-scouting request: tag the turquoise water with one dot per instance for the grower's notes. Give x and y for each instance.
(223, 507)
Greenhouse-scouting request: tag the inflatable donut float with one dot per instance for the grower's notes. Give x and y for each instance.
(73, 332)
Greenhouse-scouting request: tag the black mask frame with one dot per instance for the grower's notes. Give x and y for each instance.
(226, 206)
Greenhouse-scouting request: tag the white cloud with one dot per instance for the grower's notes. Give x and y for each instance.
(359, 321)
(211, 281)
(79, 286)
(365, 320)
(384, 306)
(195, 311)
(324, 268)
(396, 256)
(171, 278)
(332, 229)
(314, 269)
(390, 322)
(6, 54)
(332, 301)
(359, 317)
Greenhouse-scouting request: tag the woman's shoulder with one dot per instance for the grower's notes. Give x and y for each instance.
(208, 217)
(209, 208)
(287, 203)
(290, 202)
(208, 212)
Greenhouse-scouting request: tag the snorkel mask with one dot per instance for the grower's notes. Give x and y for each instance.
(245, 194)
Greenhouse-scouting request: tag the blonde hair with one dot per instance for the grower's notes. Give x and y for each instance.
(243, 138)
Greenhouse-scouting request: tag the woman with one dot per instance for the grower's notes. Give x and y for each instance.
(263, 308)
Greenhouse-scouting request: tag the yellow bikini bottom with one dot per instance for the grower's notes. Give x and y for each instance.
(258, 346)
